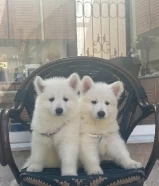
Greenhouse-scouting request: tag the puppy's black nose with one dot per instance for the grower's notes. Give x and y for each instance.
(101, 114)
(59, 111)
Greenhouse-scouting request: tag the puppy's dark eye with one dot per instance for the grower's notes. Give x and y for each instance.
(107, 103)
(65, 99)
(51, 99)
(94, 102)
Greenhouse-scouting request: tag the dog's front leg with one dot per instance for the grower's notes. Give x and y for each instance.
(68, 153)
(89, 156)
(118, 151)
(39, 149)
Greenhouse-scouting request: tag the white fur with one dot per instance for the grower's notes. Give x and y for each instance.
(111, 146)
(60, 150)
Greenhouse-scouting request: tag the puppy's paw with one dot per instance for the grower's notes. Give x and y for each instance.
(68, 172)
(35, 168)
(132, 165)
(95, 171)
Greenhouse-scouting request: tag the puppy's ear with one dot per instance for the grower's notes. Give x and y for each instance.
(39, 84)
(74, 81)
(87, 84)
(117, 87)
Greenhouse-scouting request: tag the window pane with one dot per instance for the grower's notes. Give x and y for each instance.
(32, 33)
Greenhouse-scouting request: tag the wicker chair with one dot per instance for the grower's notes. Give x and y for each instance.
(133, 107)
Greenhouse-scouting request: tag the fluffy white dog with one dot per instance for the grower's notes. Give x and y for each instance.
(99, 130)
(55, 125)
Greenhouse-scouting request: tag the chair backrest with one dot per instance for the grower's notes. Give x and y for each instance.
(100, 70)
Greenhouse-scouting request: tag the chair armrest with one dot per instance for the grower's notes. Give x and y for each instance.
(155, 150)
(4, 133)
(2, 156)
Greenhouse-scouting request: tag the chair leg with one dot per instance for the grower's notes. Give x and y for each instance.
(6, 145)
(155, 151)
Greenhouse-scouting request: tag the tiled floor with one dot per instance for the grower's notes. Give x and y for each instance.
(139, 152)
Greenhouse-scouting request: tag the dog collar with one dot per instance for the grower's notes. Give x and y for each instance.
(50, 134)
(98, 136)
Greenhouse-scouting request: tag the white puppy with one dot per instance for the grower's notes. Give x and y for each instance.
(99, 130)
(55, 125)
